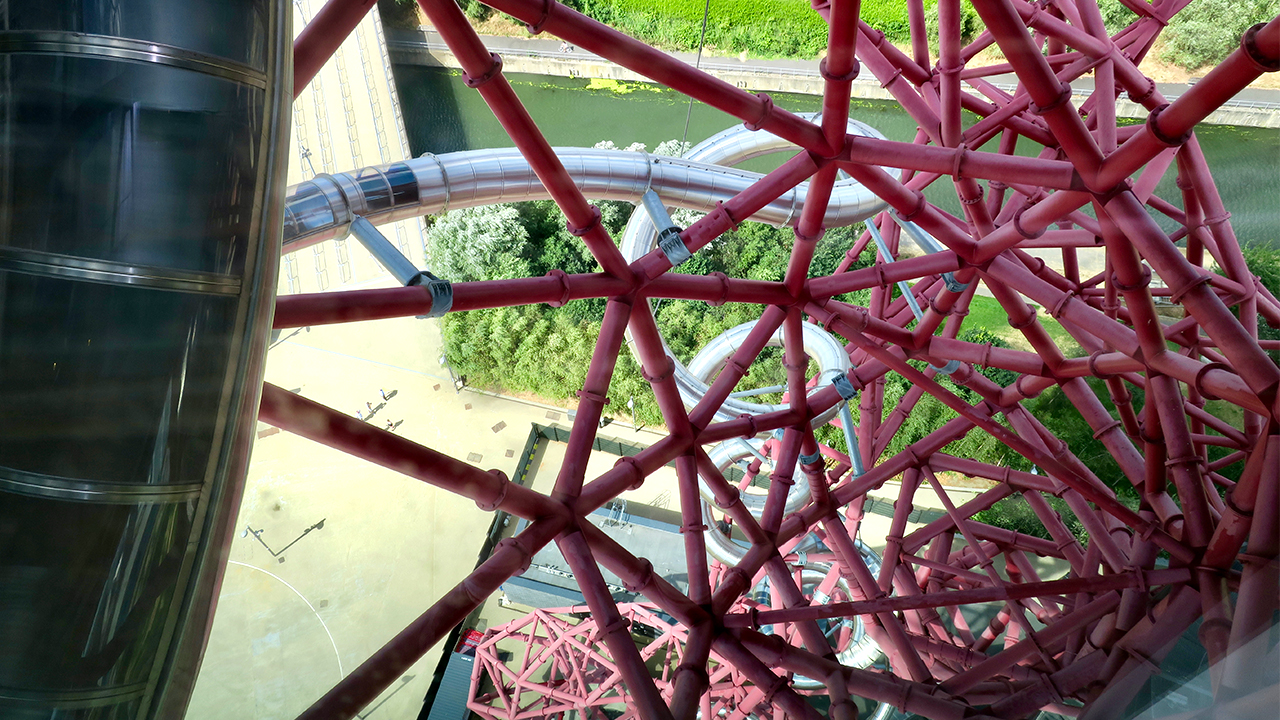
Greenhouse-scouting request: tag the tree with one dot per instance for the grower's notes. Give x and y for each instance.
(483, 243)
(1206, 31)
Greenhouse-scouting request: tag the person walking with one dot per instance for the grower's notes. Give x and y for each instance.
(368, 405)
(383, 393)
(359, 415)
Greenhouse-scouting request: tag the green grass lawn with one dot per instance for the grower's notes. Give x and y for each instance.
(986, 312)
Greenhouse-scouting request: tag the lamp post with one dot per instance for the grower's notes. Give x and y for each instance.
(459, 381)
(631, 408)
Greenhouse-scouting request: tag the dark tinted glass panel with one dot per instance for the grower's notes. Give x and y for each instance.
(306, 210)
(110, 382)
(15, 710)
(241, 24)
(85, 598)
(377, 191)
(129, 162)
(404, 186)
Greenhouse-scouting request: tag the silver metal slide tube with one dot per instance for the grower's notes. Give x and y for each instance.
(384, 252)
(325, 206)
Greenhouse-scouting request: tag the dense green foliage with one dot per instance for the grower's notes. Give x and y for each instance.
(401, 14)
(970, 25)
(783, 28)
(1115, 16)
(1203, 34)
(533, 349)
(536, 350)
(1208, 30)
(761, 28)
(929, 413)
(529, 349)
(545, 352)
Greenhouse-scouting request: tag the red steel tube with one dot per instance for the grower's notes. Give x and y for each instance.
(717, 289)
(490, 490)
(909, 696)
(1257, 594)
(891, 636)
(346, 306)
(1049, 463)
(1051, 635)
(616, 632)
(591, 401)
(1247, 358)
(1221, 84)
(743, 205)
(1056, 174)
(773, 687)
(483, 71)
(1014, 591)
(1048, 93)
(839, 68)
(320, 39)
(582, 31)
(364, 684)
(737, 366)
(1100, 623)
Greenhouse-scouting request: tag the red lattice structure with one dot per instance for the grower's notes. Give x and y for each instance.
(560, 665)
(1102, 630)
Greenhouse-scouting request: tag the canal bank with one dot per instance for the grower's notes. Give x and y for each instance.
(1254, 107)
(443, 115)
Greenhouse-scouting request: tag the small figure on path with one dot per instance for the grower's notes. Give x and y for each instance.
(359, 415)
(368, 405)
(383, 393)
(391, 425)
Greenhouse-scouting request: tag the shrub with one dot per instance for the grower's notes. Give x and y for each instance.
(1056, 412)
(402, 14)
(762, 28)
(483, 243)
(1208, 30)
(983, 336)
(1115, 16)
(930, 413)
(474, 9)
(970, 24)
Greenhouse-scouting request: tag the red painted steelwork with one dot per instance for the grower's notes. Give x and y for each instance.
(1192, 481)
(320, 39)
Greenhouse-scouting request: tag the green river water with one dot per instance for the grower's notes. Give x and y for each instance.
(443, 115)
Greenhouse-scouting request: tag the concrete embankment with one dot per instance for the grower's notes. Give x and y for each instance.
(1251, 108)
